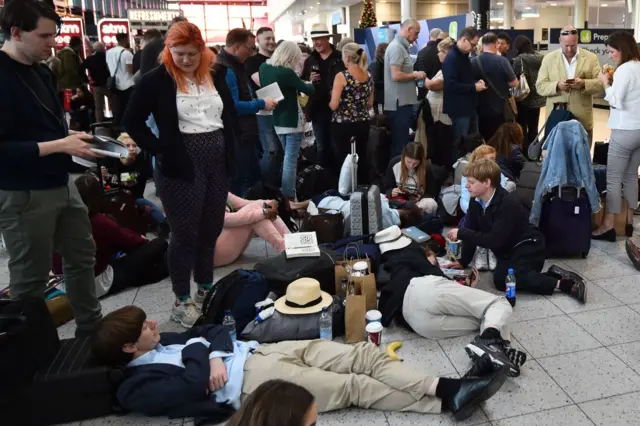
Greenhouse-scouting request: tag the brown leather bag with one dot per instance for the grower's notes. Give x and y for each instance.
(329, 228)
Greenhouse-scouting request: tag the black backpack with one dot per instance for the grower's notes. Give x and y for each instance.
(239, 292)
(314, 180)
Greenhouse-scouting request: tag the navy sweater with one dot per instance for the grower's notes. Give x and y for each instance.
(460, 98)
(169, 390)
(30, 112)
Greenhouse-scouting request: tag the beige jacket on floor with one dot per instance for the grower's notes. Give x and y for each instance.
(580, 102)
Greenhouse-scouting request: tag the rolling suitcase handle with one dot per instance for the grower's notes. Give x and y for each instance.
(354, 169)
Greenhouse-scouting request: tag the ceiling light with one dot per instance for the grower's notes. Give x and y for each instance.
(310, 7)
(443, 2)
(604, 5)
(499, 3)
(554, 4)
(530, 15)
(527, 8)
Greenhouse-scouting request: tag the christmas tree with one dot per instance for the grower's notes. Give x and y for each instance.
(368, 18)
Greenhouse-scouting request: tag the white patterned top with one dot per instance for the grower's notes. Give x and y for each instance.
(199, 110)
(436, 99)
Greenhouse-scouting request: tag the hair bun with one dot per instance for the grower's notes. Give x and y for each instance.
(360, 51)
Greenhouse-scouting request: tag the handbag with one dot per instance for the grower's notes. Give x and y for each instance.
(510, 109)
(328, 227)
(522, 90)
(111, 80)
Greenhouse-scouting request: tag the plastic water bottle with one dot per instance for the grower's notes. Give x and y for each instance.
(326, 326)
(510, 294)
(230, 324)
(420, 84)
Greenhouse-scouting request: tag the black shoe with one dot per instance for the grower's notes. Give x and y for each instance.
(496, 350)
(473, 391)
(628, 230)
(633, 251)
(558, 273)
(578, 289)
(609, 235)
(482, 366)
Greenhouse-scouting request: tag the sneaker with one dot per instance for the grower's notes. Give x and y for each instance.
(186, 313)
(199, 297)
(481, 259)
(492, 260)
(496, 350)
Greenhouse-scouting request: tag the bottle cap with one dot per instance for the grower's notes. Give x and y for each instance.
(227, 311)
(324, 309)
(510, 271)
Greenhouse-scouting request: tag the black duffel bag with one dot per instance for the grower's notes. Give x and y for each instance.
(28, 341)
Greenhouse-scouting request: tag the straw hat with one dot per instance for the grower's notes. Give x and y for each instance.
(319, 30)
(303, 297)
(391, 238)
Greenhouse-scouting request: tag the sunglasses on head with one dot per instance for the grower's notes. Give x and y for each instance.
(569, 32)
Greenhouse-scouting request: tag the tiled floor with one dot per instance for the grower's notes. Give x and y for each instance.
(583, 366)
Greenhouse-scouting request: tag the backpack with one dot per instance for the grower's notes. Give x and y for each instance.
(239, 292)
(314, 180)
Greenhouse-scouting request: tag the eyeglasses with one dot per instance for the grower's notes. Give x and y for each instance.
(569, 32)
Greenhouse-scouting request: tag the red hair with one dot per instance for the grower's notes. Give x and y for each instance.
(180, 34)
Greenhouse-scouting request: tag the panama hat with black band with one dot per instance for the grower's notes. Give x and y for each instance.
(303, 297)
(319, 31)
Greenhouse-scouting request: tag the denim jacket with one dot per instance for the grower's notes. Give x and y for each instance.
(567, 162)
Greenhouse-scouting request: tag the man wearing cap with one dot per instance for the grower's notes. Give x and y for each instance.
(400, 85)
(321, 68)
(569, 76)
(421, 297)
(203, 373)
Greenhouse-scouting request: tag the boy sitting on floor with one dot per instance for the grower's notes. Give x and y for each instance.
(497, 221)
(203, 373)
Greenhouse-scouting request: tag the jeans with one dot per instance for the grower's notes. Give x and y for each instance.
(327, 155)
(463, 126)
(272, 152)
(401, 120)
(156, 214)
(247, 168)
(36, 223)
(291, 144)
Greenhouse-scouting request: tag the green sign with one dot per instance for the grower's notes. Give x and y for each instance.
(453, 30)
(585, 36)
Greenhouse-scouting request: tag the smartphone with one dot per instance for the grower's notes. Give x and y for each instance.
(571, 81)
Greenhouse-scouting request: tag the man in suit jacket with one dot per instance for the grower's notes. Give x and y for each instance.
(570, 75)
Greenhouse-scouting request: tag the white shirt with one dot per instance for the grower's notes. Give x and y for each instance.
(624, 97)
(118, 68)
(199, 110)
(570, 68)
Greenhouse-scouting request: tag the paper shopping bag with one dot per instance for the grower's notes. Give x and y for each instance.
(354, 318)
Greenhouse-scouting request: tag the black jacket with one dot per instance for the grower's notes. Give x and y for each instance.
(436, 176)
(149, 57)
(24, 122)
(403, 265)
(156, 94)
(460, 97)
(512, 166)
(169, 390)
(96, 64)
(500, 227)
(376, 69)
(319, 101)
(428, 62)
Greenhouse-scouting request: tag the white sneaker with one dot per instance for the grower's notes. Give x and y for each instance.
(493, 261)
(480, 259)
(186, 313)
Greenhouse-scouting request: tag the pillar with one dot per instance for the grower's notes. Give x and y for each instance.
(508, 14)
(635, 23)
(580, 13)
(408, 9)
(480, 13)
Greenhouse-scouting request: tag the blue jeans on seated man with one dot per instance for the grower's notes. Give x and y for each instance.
(463, 126)
(272, 152)
(247, 168)
(156, 214)
(400, 121)
(291, 144)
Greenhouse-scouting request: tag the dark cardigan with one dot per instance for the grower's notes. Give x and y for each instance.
(156, 94)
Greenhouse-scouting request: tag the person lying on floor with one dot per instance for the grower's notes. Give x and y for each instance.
(241, 220)
(411, 176)
(203, 373)
(496, 220)
(124, 258)
(136, 171)
(422, 298)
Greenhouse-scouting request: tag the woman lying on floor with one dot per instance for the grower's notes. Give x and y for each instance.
(123, 257)
(241, 220)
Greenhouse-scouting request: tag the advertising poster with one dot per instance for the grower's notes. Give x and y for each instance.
(591, 40)
(71, 27)
(108, 28)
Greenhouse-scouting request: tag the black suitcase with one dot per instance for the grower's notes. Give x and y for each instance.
(565, 223)
(72, 387)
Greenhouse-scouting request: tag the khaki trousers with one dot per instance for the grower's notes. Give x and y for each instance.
(340, 376)
(438, 308)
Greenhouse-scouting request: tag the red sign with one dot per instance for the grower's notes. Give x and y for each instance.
(108, 28)
(71, 27)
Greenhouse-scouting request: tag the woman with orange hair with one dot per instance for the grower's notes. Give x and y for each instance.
(196, 122)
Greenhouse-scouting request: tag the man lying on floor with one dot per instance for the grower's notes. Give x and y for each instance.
(423, 299)
(202, 373)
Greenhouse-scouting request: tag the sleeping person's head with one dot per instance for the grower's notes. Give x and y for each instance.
(91, 192)
(412, 216)
(124, 335)
(277, 403)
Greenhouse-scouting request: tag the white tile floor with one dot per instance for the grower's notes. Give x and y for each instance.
(584, 360)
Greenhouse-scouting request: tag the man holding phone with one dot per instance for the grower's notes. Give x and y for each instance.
(569, 75)
(41, 211)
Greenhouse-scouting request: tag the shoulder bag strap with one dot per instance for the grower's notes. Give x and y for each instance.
(118, 63)
(487, 80)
